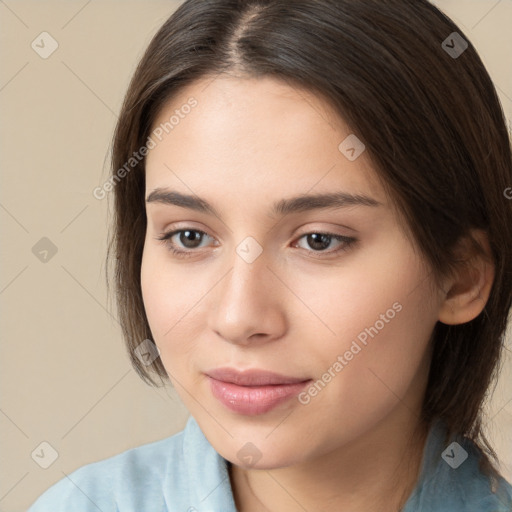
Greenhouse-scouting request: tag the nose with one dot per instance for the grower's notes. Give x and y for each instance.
(247, 306)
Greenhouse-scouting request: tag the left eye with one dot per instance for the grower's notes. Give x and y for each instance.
(321, 241)
(190, 239)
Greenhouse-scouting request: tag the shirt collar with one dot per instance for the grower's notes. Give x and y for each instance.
(207, 471)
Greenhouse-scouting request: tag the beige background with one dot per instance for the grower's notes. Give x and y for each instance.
(65, 377)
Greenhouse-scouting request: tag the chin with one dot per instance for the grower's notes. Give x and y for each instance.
(262, 454)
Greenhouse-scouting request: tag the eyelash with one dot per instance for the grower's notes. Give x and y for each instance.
(165, 238)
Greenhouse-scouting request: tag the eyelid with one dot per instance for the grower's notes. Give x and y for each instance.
(327, 230)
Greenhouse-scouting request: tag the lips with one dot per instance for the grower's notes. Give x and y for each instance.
(252, 377)
(252, 392)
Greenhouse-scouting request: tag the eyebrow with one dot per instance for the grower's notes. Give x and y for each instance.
(282, 207)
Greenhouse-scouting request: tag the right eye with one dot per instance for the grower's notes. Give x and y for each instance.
(188, 237)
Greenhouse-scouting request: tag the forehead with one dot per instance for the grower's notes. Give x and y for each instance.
(254, 134)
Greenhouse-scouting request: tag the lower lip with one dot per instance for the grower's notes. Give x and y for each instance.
(253, 400)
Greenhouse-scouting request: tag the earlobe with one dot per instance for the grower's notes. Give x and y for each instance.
(466, 294)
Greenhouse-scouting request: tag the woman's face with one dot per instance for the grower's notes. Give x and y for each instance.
(345, 322)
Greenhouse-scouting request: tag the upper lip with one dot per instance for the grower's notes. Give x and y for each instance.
(252, 377)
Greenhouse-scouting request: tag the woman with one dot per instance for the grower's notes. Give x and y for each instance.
(313, 243)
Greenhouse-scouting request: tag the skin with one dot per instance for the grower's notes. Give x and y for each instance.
(294, 309)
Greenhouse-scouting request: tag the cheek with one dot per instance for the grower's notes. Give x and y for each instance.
(372, 289)
(155, 295)
(378, 353)
(377, 320)
(174, 305)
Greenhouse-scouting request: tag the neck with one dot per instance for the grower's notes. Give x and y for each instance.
(379, 470)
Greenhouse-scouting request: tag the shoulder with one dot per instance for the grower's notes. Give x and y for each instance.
(476, 490)
(451, 479)
(129, 477)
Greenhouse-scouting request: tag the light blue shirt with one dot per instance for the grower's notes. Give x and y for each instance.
(184, 473)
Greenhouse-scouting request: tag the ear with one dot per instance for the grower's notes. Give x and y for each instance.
(467, 292)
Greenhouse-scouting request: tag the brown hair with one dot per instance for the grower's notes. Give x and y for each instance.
(431, 122)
